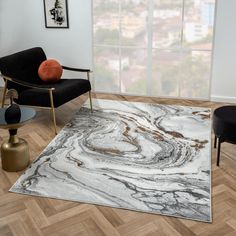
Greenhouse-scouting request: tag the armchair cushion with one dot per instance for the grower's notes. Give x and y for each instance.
(65, 90)
(23, 65)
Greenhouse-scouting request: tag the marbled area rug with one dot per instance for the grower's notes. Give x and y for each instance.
(144, 157)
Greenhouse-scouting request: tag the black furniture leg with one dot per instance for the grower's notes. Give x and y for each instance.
(218, 152)
(215, 142)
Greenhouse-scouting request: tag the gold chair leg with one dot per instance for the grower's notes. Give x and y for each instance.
(53, 111)
(90, 99)
(4, 94)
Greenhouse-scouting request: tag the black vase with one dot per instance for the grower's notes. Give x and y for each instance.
(13, 114)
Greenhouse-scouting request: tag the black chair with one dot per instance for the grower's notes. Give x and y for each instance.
(20, 72)
(224, 126)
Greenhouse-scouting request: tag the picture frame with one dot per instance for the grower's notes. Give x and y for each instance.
(56, 13)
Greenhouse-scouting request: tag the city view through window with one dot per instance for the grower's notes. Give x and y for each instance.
(153, 47)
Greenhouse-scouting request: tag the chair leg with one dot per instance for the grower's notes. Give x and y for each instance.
(90, 96)
(90, 99)
(218, 152)
(53, 111)
(4, 94)
(215, 142)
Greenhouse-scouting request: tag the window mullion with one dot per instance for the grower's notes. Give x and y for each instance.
(149, 49)
(182, 23)
(181, 44)
(120, 46)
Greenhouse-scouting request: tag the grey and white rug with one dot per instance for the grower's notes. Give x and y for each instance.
(144, 157)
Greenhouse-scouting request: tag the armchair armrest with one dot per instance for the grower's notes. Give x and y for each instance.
(76, 69)
(26, 84)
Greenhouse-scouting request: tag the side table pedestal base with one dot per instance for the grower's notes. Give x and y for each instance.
(15, 154)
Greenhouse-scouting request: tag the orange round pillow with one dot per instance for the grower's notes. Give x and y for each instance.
(50, 70)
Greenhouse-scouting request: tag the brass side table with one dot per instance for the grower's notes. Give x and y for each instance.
(15, 151)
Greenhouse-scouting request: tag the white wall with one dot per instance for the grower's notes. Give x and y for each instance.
(11, 26)
(224, 60)
(22, 26)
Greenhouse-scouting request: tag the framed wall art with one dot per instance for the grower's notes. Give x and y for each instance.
(56, 14)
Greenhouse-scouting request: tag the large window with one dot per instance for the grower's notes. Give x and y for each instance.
(153, 47)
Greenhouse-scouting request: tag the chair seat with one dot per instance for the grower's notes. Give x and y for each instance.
(64, 92)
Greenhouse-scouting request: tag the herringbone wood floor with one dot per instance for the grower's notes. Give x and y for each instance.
(24, 215)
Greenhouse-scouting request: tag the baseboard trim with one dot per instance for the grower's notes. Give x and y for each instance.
(223, 99)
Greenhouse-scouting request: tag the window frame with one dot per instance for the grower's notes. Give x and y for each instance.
(150, 49)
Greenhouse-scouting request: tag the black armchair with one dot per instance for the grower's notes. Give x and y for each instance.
(20, 72)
